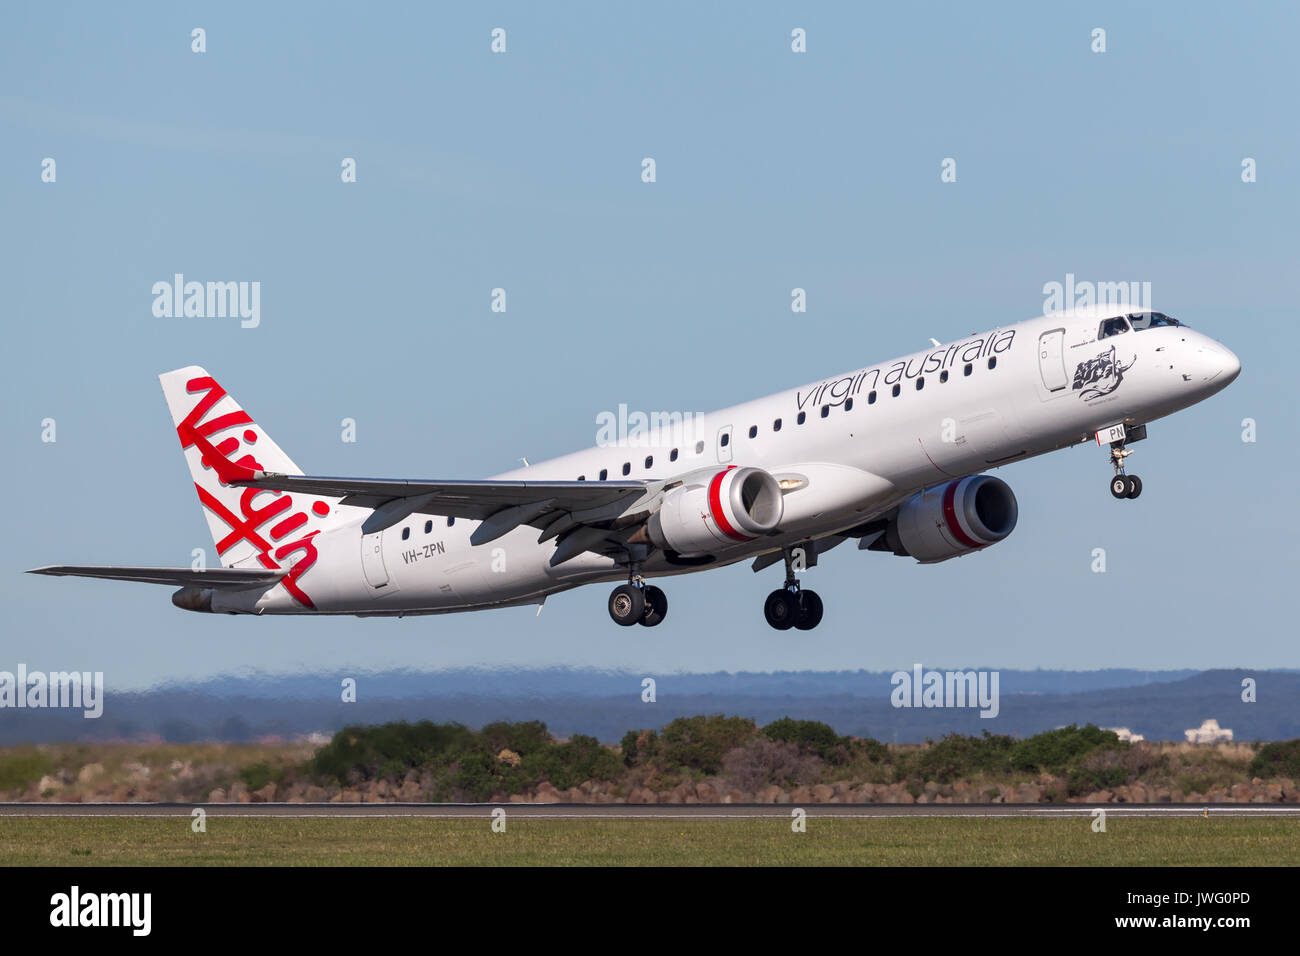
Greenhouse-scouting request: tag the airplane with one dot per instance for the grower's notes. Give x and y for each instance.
(891, 455)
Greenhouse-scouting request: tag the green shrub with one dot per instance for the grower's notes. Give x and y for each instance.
(699, 743)
(812, 737)
(958, 756)
(1099, 770)
(869, 749)
(389, 750)
(1278, 759)
(1055, 751)
(17, 770)
(639, 746)
(476, 773)
(573, 762)
(257, 775)
(475, 776)
(523, 738)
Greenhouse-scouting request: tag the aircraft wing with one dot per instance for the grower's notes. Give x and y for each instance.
(461, 499)
(586, 508)
(230, 579)
(502, 506)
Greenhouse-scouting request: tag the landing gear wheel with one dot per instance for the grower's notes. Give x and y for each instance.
(1119, 486)
(656, 605)
(781, 609)
(626, 605)
(1134, 486)
(810, 610)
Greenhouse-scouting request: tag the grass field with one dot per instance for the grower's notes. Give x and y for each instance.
(751, 842)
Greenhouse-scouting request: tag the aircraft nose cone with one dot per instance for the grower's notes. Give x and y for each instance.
(1231, 367)
(1217, 364)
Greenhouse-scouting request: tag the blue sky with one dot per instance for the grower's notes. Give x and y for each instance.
(522, 171)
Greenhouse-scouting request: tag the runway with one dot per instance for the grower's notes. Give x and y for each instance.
(623, 811)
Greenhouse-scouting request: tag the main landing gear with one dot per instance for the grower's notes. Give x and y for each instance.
(791, 606)
(638, 603)
(1123, 485)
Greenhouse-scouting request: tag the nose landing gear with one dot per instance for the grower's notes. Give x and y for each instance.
(791, 606)
(1126, 486)
(1123, 485)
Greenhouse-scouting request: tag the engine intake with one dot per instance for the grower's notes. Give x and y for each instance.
(950, 520)
(735, 505)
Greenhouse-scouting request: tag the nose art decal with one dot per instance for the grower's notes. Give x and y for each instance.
(1099, 376)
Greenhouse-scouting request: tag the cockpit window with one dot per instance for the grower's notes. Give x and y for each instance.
(1150, 320)
(1113, 327)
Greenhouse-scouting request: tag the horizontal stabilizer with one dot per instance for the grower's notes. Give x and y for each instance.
(229, 579)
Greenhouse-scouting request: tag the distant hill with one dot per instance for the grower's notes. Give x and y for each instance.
(1157, 704)
(581, 682)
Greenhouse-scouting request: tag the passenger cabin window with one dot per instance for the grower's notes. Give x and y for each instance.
(582, 477)
(428, 527)
(803, 417)
(753, 431)
(993, 361)
(406, 533)
(897, 389)
(672, 455)
(1114, 326)
(1150, 320)
(725, 440)
(943, 376)
(699, 448)
(826, 410)
(966, 371)
(920, 382)
(627, 468)
(776, 425)
(604, 473)
(649, 462)
(450, 522)
(848, 404)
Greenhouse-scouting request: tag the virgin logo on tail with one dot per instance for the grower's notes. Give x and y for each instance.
(248, 525)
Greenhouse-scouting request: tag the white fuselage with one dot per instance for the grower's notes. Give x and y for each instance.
(859, 451)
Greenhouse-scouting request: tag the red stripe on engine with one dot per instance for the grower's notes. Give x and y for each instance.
(715, 506)
(950, 516)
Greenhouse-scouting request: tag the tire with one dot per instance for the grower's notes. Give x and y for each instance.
(780, 609)
(810, 610)
(656, 606)
(1119, 486)
(626, 605)
(1135, 486)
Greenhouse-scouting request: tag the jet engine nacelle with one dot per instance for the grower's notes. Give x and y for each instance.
(953, 519)
(731, 507)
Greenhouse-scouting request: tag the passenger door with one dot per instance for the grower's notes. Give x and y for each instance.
(1051, 361)
(372, 560)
